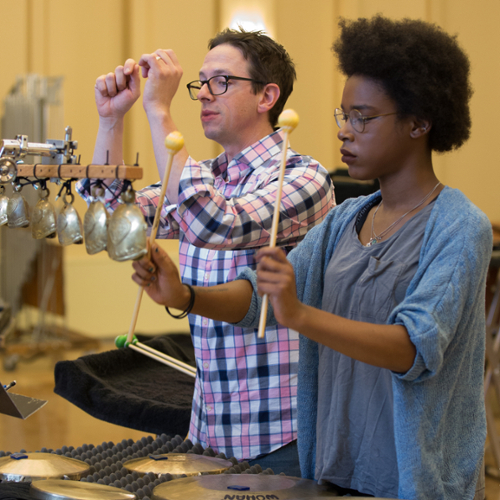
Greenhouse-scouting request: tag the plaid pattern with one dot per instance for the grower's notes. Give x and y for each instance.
(244, 402)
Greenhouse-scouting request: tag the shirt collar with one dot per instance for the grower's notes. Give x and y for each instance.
(251, 157)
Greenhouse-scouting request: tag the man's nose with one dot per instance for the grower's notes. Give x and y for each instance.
(204, 92)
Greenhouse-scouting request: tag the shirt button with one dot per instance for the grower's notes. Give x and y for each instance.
(205, 322)
(207, 276)
(205, 364)
(209, 408)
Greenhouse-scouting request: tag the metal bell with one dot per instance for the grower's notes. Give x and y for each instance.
(127, 238)
(4, 200)
(69, 225)
(95, 224)
(8, 170)
(18, 210)
(43, 218)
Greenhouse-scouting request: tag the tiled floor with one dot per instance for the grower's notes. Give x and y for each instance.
(60, 423)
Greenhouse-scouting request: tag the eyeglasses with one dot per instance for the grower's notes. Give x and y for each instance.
(217, 85)
(357, 120)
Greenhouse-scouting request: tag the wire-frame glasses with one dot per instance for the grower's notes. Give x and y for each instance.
(356, 118)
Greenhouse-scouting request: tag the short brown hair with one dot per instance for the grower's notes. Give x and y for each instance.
(269, 62)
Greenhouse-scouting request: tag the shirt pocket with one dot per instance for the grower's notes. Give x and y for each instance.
(378, 290)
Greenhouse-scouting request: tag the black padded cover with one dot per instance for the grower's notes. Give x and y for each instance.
(127, 388)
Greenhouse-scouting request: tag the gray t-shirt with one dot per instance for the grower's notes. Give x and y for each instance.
(355, 400)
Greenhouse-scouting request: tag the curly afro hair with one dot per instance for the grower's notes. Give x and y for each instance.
(422, 68)
(269, 62)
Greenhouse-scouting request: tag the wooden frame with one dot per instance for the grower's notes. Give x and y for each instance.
(70, 171)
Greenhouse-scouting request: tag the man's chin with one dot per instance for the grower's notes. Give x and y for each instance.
(210, 133)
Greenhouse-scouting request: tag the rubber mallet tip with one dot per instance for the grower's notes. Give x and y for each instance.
(174, 141)
(121, 341)
(288, 119)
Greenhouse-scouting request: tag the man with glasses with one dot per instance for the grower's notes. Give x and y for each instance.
(221, 211)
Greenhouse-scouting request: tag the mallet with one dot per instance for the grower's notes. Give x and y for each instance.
(288, 120)
(174, 142)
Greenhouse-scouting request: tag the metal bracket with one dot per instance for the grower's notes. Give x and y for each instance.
(17, 405)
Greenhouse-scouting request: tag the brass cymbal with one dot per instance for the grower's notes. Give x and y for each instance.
(59, 489)
(32, 466)
(178, 464)
(241, 486)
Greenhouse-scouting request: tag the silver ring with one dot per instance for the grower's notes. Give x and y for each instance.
(158, 58)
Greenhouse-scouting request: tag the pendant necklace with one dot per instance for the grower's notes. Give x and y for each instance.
(377, 238)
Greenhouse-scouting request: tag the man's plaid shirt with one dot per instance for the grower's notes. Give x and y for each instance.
(244, 401)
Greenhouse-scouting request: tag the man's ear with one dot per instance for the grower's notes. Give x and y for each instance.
(269, 96)
(420, 127)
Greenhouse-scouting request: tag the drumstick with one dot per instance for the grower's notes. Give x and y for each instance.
(174, 142)
(288, 120)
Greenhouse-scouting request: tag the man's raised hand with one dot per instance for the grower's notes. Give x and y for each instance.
(116, 92)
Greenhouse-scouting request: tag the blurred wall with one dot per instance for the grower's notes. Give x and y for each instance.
(82, 40)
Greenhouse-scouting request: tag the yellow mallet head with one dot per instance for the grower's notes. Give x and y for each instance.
(288, 120)
(174, 141)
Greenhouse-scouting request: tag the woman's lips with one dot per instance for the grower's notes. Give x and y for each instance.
(347, 156)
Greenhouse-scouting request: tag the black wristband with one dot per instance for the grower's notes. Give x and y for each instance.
(188, 308)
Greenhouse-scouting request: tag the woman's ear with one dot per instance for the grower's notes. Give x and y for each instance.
(420, 127)
(269, 96)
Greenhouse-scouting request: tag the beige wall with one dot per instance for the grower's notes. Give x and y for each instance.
(83, 39)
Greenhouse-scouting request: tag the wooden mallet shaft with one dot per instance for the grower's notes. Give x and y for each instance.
(164, 358)
(174, 142)
(288, 120)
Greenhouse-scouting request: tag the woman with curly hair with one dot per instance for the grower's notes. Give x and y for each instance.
(388, 292)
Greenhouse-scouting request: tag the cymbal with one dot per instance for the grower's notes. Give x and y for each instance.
(178, 464)
(240, 486)
(32, 466)
(59, 489)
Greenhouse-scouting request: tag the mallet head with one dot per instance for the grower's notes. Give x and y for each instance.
(174, 141)
(288, 120)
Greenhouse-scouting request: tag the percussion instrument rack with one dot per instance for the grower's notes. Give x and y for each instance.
(58, 164)
(76, 171)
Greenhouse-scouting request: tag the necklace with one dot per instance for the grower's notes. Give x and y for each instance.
(376, 238)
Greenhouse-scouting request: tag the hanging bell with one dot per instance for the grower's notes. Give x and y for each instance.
(18, 210)
(95, 223)
(8, 170)
(4, 201)
(127, 238)
(69, 225)
(43, 218)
